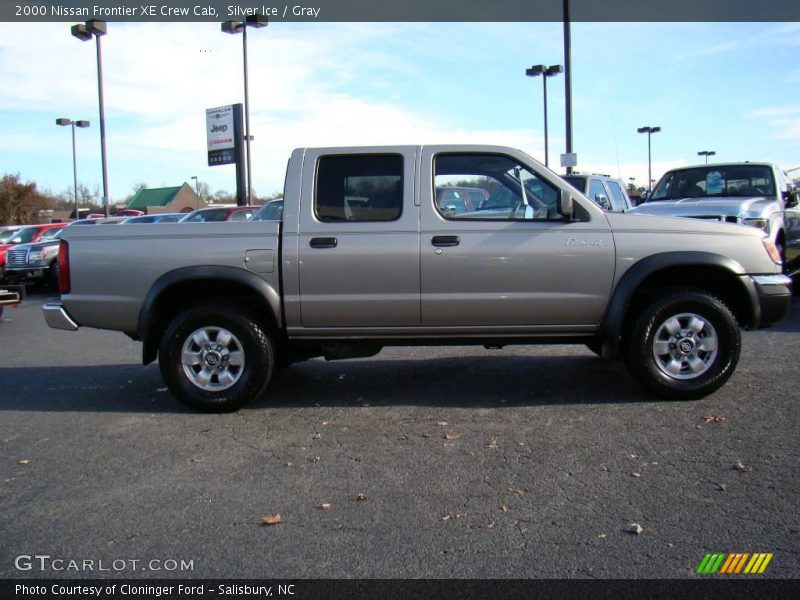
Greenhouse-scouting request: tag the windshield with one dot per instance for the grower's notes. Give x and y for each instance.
(578, 183)
(746, 181)
(206, 216)
(50, 233)
(23, 236)
(7, 235)
(271, 211)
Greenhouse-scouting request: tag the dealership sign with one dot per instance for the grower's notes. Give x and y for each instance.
(221, 135)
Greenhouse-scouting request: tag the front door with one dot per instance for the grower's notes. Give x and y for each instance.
(513, 260)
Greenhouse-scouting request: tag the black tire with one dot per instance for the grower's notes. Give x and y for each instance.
(249, 341)
(682, 366)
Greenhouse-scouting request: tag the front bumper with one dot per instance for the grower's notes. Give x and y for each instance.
(774, 293)
(26, 273)
(57, 317)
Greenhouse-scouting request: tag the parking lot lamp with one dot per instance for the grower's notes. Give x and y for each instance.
(85, 32)
(545, 72)
(63, 121)
(706, 153)
(234, 27)
(649, 131)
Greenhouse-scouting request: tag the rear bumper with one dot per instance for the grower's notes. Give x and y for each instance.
(57, 317)
(774, 293)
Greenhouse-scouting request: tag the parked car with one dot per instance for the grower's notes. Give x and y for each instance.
(754, 194)
(607, 192)
(162, 218)
(270, 211)
(208, 215)
(456, 200)
(31, 233)
(221, 305)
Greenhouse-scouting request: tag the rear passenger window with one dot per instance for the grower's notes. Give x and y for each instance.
(359, 188)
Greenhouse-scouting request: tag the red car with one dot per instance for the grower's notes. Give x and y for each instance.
(26, 235)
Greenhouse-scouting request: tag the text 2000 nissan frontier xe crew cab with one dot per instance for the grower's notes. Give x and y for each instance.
(364, 258)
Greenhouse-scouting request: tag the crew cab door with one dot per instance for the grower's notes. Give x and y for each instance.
(358, 239)
(514, 264)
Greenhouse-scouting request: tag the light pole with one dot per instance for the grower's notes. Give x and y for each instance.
(63, 121)
(196, 189)
(706, 153)
(545, 72)
(649, 131)
(233, 27)
(85, 32)
(568, 77)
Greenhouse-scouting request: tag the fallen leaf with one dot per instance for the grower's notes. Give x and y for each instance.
(196, 460)
(742, 468)
(722, 487)
(635, 528)
(519, 492)
(698, 426)
(636, 474)
(361, 497)
(493, 443)
(317, 435)
(272, 520)
(713, 419)
(404, 437)
(633, 456)
(602, 536)
(461, 515)
(490, 525)
(452, 436)
(315, 459)
(442, 423)
(325, 506)
(447, 517)
(324, 423)
(504, 508)
(24, 461)
(426, 435)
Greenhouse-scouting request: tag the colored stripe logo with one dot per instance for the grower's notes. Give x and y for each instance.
(734, 563)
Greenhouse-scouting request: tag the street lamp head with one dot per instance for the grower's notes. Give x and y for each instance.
(655, 129)
(79, 31)
(63, 121)
(256, 21)
(96, 27)
(82, 123)
(643, 129)
(232, 26)
(535, 70)
(554, 70)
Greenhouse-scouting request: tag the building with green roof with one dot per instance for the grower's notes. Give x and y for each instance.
(167, 199)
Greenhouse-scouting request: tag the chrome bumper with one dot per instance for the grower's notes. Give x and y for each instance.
(57, 318)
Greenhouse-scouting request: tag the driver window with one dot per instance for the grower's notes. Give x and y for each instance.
(491, 187)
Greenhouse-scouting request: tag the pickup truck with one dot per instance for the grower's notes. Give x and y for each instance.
(748, 193)
(364, 258)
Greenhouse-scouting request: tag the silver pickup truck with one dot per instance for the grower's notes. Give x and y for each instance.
(364, 258)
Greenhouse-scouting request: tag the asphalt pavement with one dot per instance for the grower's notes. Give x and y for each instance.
(459, 462)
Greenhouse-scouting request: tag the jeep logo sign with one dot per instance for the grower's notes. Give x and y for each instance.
(219, 127)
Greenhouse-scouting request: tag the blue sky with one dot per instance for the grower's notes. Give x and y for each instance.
(732, 88)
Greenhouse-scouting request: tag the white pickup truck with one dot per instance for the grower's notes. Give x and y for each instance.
(364, 257)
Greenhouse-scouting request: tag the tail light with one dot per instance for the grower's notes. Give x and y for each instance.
(63, 267)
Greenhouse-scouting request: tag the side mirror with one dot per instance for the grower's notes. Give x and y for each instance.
(564, 206)
(791, 201)
(602, 201)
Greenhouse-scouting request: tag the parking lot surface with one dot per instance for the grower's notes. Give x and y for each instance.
(442, 462)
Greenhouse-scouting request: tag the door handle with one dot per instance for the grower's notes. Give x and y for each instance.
(445, 240)
(326, 242)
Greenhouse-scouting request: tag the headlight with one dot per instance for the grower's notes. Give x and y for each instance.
(34, 256)
(760, 223)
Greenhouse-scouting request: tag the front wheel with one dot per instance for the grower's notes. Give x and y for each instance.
(684, 345)
(216, 358)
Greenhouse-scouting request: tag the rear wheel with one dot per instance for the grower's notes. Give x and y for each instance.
(684, 345)
(216, 358)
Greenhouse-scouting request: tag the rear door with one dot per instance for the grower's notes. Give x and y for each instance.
(358, 240)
